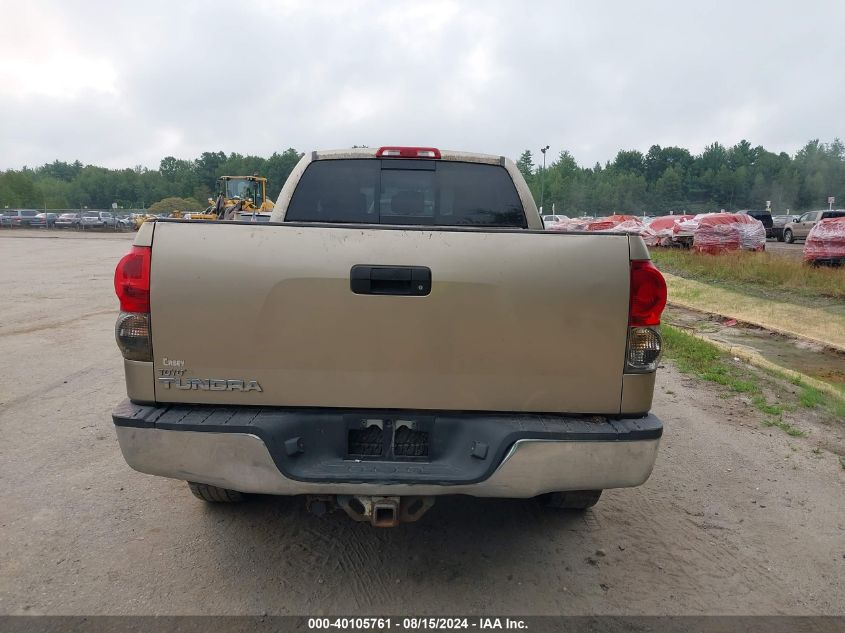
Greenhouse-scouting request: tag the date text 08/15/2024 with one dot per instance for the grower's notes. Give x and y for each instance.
(415, 624)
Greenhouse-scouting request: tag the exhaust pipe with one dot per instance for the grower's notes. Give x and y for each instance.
(320, 505)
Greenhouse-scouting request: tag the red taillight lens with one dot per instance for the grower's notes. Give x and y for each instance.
(408, 152)
(132, 280)
(648, 294)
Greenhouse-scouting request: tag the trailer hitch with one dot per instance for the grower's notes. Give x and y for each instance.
(384, 511)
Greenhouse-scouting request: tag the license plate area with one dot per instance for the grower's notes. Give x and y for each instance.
(389, 439)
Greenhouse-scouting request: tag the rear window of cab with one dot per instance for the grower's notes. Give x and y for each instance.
(406, 192)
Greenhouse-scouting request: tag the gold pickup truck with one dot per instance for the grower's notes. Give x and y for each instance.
(402, 328)
(799, 228)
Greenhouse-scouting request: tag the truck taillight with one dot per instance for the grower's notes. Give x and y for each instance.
(648, 294)
(132, 280)
(644, 347)
(647, 300)
(132, 333)
(407, 152)
(132, 286)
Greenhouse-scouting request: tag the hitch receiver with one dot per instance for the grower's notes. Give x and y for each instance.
(384, 511)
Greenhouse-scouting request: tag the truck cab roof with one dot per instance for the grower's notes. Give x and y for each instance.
(411, 186)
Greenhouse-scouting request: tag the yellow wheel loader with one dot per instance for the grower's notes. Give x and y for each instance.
(238, 195)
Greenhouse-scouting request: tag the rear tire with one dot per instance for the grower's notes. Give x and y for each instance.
(780, 237)
(788, 236)
(213, 494)
(570, 500)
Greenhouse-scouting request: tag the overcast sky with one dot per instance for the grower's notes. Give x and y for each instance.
(121, 84)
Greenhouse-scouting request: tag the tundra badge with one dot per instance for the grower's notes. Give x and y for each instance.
(210, 384)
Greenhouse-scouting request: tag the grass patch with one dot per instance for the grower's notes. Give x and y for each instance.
(810, 397)
(785, 426)
(770, 409)
(747, 271)
(708, 362)
(704, 360)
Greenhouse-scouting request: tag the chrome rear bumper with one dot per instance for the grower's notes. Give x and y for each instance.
(241, 461)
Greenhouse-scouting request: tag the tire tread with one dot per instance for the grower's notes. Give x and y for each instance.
(571, 499)
(213, 494)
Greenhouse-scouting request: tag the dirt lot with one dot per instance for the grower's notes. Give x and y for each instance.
(737, 518)
(787, 250)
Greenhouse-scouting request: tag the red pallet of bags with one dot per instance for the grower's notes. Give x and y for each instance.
(752, 234)
(684, 231)
(689, 226)
(668, 221)
(720, 232)
(632, 227)
(826, 242)
(568, 226)
(663, 229)
(603, 224)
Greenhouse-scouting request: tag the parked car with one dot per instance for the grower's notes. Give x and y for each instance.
(421, 403)
(125, 223)
(20, 217)
(778, 222)
(44, 220)
(800, 228)
(251, 216)
(97, 220)
(551, 219)
(67, 221)
(764, 216)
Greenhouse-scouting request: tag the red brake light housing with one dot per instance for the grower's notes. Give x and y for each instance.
(648, 294)
(132, 280)
(407, 152)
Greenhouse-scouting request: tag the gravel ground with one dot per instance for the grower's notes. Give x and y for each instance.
(787, 250)
(736, 519)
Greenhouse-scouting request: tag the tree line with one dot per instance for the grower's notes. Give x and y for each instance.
(662, 180)
(62, 185)
(669, 179)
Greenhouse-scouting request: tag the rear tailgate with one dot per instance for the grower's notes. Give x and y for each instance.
(515, 320)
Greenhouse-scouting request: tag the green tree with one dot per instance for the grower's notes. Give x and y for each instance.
(168, 205)
(630, 161)
(17, 189)
(277, 169)
(669, 190)
(525, 164)
(725, 188)
(742, 176)
(742, 155)
(659, 159)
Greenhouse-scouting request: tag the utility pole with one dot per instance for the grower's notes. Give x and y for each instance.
(543, 179)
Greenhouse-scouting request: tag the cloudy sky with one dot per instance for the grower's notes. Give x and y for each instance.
(122, 84)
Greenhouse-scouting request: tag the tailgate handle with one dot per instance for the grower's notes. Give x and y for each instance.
(410, 281)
